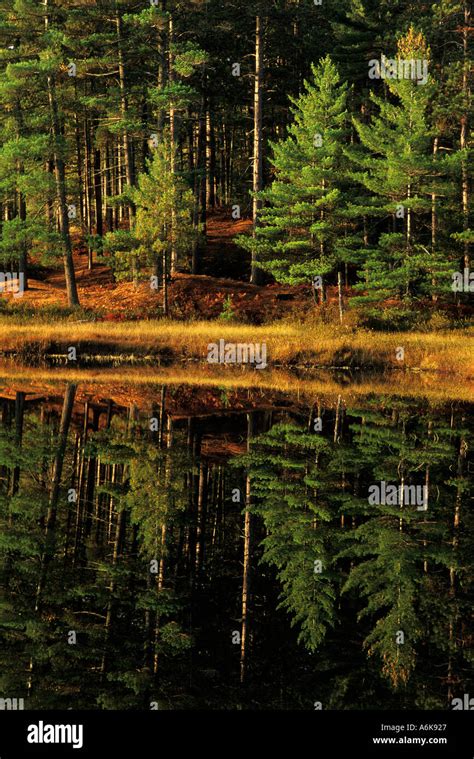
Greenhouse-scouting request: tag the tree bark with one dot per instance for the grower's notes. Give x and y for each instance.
(127, 153)
(257, 139)
(465, 129)
(60, 181)
(174, 250)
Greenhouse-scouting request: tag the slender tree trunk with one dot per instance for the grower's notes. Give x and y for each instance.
(77, 132)
(127, 151)
(21, 203)
(88, 187)
(108, 185)
(465, 128)
(164, 283)
(99, 226)
(257, 139)
(202, 168)
(210, 161)
(434, 221)
(60, 180)
(171, 77)
(339, 291)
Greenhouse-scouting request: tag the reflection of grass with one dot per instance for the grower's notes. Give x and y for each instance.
(303, 344)
(439, 388)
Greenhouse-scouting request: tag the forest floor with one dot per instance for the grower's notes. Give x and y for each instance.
(190, 296)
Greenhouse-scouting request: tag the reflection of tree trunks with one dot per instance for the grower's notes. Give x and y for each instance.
(452, 570)
(246, 567)
(402, 500)
(109, 620)
(168, 474)
(19, 416)
(220, 536)
(457, 509)
(426, 506)
(14, 483)
(337, 421)
(102, 505)
(79, 506)
(91, 481)
(216, 502)
(356, 495)
(343, 489)
(81, 488)
(110, 520)
(185, 555)
(98, 499)
(201, 517)
(193, 501)
(58, 463)
(401, 473)
(75, 467)
(162, 416)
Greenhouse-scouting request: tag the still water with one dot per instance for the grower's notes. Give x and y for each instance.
(177, 547)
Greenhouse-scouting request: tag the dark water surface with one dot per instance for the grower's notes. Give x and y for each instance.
(187, 548)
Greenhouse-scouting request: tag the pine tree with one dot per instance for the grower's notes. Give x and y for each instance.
(301, 232)
(159, 193)
(283, 466)
(395, 164)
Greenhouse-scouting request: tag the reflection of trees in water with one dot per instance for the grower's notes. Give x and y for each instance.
(146, 543)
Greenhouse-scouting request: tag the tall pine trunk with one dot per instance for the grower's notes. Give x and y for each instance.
(257, 138)
(60, 182)
(174, 250)
(466, 91)
(127, 151)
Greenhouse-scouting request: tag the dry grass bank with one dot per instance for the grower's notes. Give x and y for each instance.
(449, 352)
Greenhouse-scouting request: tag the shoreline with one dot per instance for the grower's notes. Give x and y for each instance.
(438, 389)
(288, 346)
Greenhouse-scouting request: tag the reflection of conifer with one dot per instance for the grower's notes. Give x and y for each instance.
(285, 481)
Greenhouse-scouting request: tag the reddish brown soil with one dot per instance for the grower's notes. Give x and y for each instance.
(190, 296)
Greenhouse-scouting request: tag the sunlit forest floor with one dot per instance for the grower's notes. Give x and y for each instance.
(190, 296)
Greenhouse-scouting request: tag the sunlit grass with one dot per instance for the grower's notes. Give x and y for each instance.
(320, 345)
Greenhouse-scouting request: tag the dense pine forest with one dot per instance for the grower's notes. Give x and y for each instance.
(321, 147)
(236, 355)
